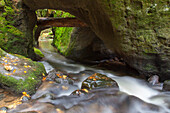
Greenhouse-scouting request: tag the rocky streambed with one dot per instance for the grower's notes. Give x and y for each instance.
(69, 87)
(65, 93)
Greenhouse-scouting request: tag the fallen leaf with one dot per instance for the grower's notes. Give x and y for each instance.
(64, 76)
(43, 74)
(25, 94)
(26, 66)
(7, 73)
(44, 78)
(58, 75)
(94, 79)
(90, 77)
(85, 90)
(14, 70)
(15, 64)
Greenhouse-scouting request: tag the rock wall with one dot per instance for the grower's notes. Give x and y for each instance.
(18, 26)
(144, 28)
(85, 46)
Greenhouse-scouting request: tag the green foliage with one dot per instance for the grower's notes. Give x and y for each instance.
(62, 38)
(38, 52)
(9, 35)
(2, 3)
(62, 34)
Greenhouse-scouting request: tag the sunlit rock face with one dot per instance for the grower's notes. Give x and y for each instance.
(135, 30)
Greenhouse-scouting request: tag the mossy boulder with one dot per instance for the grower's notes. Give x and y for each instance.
(98, 81)
(20, 74)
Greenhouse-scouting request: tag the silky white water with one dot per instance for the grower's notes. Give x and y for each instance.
(129, 85)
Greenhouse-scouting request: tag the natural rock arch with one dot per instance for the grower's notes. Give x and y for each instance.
(143, 25)
(90, 12)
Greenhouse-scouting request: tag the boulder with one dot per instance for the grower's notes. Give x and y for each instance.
(20, 74)
(98, 81)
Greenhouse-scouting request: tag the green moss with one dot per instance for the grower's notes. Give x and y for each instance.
(38, 52)
(2, 3)
(62, 34)
(150, 67)
(31, 79)
(71, 46)
(2, 52)
(11, 38)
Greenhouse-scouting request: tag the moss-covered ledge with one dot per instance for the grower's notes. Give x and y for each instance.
(20, 74)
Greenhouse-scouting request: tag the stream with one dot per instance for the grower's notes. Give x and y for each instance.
(133, 95)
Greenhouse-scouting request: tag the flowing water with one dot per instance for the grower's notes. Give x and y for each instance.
(133, 96)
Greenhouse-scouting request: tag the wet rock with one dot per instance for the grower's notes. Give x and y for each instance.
(25, 99)
(64, 81)
(52, 75)
(166, 85)
(80, 92)
(35, 108)
(59, 77)
(98, 81)
(25, 74)
(97, 101)
(154, 79)
(48, 96)
(54, 89)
